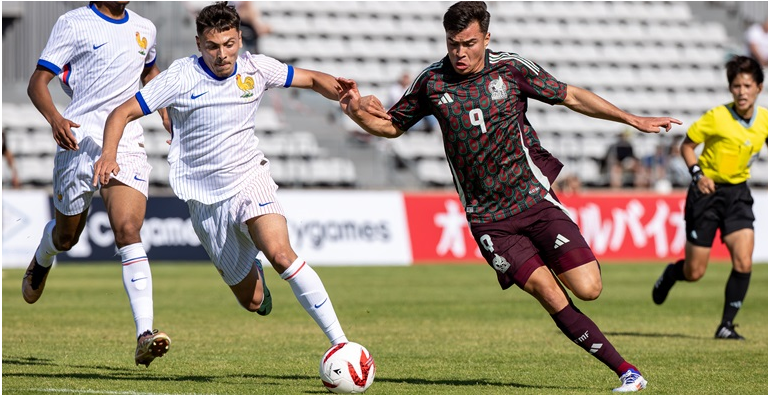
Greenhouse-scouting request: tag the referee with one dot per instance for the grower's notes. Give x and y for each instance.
(719, 197)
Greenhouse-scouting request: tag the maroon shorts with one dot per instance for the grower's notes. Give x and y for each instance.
(543, 235)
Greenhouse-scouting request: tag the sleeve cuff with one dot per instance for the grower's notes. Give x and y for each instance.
(289, 78)
(50, 66)
(143, 104)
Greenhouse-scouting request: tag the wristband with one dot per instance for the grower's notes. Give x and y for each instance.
(696, 173)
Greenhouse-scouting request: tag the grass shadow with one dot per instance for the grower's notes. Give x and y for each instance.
(458, 383)
(653, 334)
(102, 372)
(420, 381)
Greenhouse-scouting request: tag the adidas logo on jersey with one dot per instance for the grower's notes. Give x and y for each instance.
(560, 241)
(446, 98)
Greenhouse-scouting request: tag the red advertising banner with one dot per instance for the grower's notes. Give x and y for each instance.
(619, 227)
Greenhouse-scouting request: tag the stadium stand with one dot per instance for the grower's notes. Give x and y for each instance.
(647, 57)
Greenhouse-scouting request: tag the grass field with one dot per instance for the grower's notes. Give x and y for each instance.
(431, 330)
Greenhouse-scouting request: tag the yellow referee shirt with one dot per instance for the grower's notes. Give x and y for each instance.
(731, 145)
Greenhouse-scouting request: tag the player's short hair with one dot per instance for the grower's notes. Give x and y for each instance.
(743, 64)
(460, 15)
(218, 16)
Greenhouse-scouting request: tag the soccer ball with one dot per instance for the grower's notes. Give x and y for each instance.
(347, 368)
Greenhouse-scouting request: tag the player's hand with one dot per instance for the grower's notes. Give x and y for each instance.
(706, 185)
(349, 96)
(104, 169)
(372, 105)
(351, 102)
(655, 124)
(62, 133)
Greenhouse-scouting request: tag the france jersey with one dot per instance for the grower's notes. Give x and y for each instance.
(99, 61)
(214, 148)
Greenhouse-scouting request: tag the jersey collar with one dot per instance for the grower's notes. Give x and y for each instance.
(210, 73)
(108, 19)
(741, 120)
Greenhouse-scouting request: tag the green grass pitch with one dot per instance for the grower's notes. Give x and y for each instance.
(431, 329)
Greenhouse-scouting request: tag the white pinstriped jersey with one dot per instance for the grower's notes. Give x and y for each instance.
(99, 61)
(214, 148)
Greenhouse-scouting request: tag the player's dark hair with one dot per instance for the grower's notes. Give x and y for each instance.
(218, 16)
(743, 64)
(460, 15)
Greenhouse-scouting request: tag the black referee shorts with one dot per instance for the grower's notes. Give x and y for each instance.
(728, 209)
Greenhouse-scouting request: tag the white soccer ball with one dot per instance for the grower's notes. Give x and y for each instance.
(347, 368)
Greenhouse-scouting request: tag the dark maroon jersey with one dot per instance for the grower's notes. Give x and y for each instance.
(499, 167)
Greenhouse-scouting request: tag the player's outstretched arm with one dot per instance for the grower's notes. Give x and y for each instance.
(319, 82)
(106, 165)
(41, 97)
(367, 112)
(590, 104)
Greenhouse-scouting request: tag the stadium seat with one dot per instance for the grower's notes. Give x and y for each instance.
(434, 172)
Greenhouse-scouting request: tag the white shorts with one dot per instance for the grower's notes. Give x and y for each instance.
(73, 175)
(221, 226)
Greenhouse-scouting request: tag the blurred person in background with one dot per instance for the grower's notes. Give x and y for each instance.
(502, 173)
(756, 38)
(102, 53)
(217, 168)
(653, 169)
(621, 164)
(677, 171)
(719, 197)
(252, 26)
(568, 185)
(10, 168)
(396, 91)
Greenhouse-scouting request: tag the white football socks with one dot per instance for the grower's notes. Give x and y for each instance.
(310, 292)
(46, 251)
(137, 280)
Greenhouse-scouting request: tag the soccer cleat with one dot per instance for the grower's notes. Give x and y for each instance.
(727, 330)
(33, 283)
(663, 285)
(631, 381)
(266, 304)
(151, 345)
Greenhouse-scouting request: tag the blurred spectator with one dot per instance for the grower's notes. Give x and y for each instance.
(757, 42)
(677, 171)
(654, 167)
(396, 91)
(251, 25)
(11, 169)
(621, 164)
(568, 185)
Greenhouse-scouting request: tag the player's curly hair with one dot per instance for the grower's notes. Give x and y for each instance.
(218, 16)
(460, 15)
(744, 64)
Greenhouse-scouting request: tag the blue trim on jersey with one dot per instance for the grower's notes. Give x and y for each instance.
(50, 66)
(210, 73)
(150, 64)
(143, 104)
(289, 78)
(738, 117)
(108, 19)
